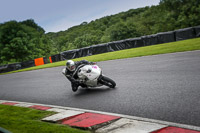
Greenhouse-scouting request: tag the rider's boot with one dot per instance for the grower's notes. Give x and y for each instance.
(74, 87)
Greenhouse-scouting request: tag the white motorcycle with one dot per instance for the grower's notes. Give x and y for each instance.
(91, 76)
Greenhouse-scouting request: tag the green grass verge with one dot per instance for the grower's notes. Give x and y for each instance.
(26, 120)
(180, 46)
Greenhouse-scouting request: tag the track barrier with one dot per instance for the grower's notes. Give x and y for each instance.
(159, 38)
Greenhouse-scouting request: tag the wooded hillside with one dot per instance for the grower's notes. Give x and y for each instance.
(22, 41)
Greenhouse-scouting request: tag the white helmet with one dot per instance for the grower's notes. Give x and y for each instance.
(70, 65)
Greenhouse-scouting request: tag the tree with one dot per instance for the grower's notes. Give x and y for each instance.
(85, 40)
(122, 31)
(31, 23)
(22, 41)
(185, 12)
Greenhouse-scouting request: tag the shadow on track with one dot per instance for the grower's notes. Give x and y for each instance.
(92, 91)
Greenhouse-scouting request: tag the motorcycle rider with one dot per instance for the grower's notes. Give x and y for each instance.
(71, 72)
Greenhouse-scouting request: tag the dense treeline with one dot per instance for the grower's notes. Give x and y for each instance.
(21, 41)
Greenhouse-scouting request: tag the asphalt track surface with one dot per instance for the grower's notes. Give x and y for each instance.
(162, 87)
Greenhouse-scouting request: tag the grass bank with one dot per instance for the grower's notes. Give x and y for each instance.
(26, 120)
(180, 46)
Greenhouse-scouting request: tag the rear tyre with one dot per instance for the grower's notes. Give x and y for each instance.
(107, 82)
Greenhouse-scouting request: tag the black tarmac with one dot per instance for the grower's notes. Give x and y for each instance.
(162, 87)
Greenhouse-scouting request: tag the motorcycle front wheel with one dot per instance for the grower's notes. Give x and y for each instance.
(107, 82)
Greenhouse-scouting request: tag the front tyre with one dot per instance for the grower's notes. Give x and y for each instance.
(107, 82)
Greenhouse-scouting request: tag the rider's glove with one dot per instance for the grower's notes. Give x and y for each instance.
(76, 82)
(93, 63)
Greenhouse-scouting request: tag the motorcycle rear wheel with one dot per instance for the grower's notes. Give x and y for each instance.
(108, 82)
